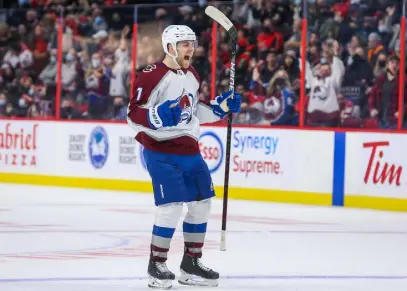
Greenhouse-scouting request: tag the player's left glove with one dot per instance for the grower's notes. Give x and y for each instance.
(225, 103)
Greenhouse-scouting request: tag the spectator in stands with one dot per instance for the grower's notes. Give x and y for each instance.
(119, 109)
(375, 48)
(119, 77)
(290, 64)
(279, 104)
(49, 73)
(252, 110)
(201, 63)
(3, 104)
(380, 66)
(69, 71)
(384, 95)
(205, 92)
(323, 105)
(41, 56)
(8, 75)
(358, 78)
(349, 112)
(99, 22)
(270, 38)
(97, 81)
(68, 109)
(294, 42)
(264, 72)
(354, 39)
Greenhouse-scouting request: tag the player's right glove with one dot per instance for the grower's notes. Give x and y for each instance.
(165, 114)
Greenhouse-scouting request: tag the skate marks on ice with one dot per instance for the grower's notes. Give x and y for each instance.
(77, 240)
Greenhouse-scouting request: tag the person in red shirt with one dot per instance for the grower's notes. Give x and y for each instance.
(270, 38)
(384, 95)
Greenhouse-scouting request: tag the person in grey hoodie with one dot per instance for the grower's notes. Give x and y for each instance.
(49, 73)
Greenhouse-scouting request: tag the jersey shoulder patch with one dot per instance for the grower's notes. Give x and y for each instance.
(152, 74)
(149, 68)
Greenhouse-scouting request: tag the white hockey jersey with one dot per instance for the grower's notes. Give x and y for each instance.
(156, 84)
(323, 96)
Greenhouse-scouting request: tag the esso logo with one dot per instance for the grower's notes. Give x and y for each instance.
(211, 148)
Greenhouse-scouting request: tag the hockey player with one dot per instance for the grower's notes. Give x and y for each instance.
(166, 113)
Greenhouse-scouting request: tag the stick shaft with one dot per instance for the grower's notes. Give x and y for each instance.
(227, 158)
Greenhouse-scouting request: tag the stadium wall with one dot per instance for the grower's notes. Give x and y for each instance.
(352, 169)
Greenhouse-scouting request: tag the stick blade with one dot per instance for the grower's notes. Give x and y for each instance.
(219, 17)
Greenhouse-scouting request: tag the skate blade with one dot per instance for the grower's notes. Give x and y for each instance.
(191, 280)
(159, 284)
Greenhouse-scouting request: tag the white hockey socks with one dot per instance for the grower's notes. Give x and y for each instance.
(194, 226)
(166, 220)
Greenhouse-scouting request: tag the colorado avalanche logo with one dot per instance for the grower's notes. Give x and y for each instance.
(273, 108)
(186, 104)
(321, 93)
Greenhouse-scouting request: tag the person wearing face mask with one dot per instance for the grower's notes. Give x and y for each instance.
(383, 99)
(359, 76)
(22, 106)
(49, 74)
(97, 82)
(99, 23)
(380, 66)
(359, 69)
(279, 105)
(375, 48)
(323, 107)
(69, 71)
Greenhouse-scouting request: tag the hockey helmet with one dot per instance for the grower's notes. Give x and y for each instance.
(175, 33)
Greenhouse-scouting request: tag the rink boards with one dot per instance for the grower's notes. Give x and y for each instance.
(297, 166)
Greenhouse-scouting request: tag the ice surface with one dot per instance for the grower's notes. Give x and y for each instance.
(82, 240)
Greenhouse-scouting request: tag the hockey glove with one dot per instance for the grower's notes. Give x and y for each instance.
(224, 103)
(165, 114)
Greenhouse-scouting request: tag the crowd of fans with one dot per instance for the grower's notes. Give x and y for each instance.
(95, 55)
(352, 58)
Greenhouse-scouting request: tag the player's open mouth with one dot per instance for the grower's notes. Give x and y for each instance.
(187, 58)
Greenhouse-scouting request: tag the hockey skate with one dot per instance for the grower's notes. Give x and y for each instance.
(194, 273)
(160, 276)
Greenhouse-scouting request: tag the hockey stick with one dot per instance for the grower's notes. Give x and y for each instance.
(221, 18)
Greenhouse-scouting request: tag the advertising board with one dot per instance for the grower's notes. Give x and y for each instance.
(376, 165)
(99, 151)
(27, 147)
(265, 163)
(271, 158)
